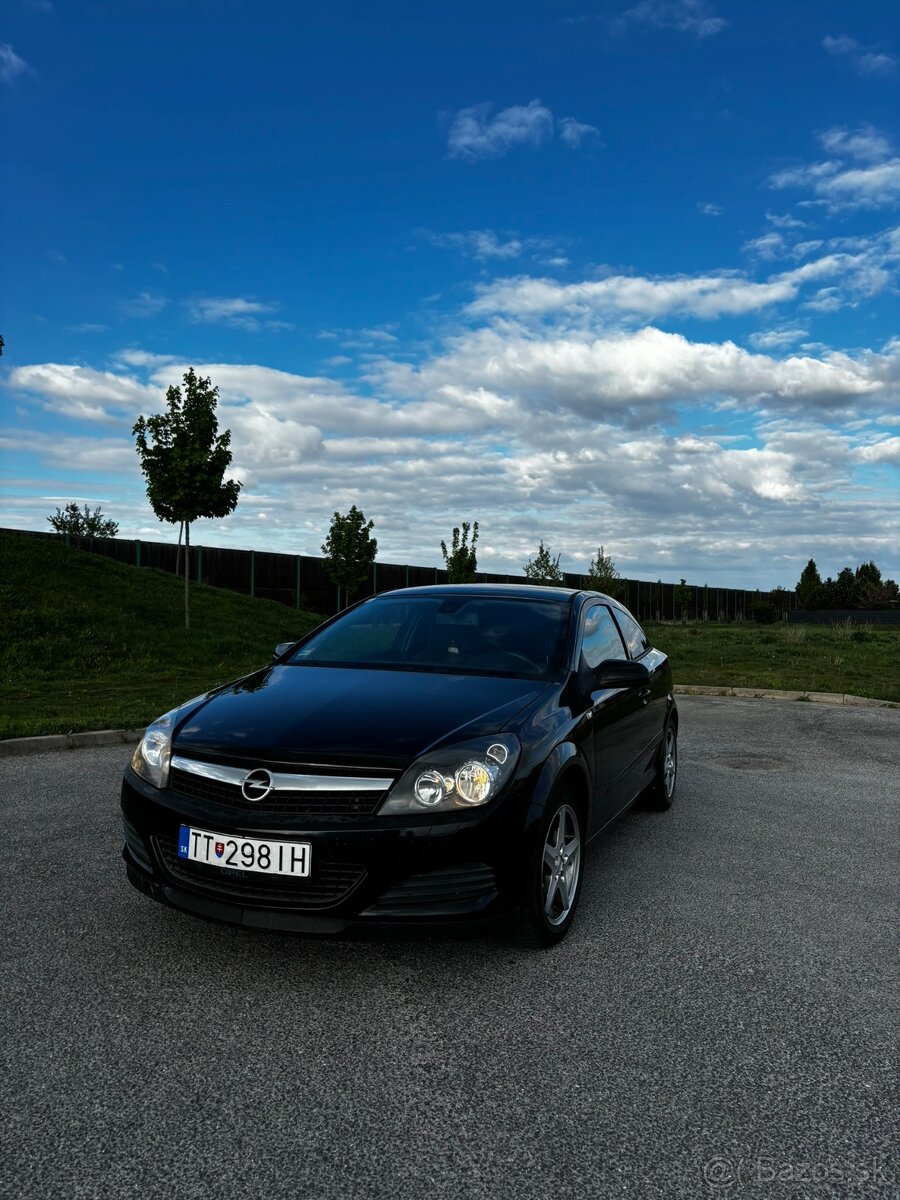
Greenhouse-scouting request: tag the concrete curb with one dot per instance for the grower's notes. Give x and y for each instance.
(112, 737)
(68, 741)
(691, 689)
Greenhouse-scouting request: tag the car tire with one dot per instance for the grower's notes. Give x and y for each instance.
(661, 792)
(554, 874)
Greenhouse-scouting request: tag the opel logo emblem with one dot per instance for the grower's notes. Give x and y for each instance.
(256, 785)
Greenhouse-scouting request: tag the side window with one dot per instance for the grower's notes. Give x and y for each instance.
(635, 638)
(600, 639)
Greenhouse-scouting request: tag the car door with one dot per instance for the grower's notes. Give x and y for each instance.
(612, 713)
(645, 728)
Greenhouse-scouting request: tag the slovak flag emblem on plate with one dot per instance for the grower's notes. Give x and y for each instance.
(220, 849)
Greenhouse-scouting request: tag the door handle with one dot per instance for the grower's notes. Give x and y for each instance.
(645, 695)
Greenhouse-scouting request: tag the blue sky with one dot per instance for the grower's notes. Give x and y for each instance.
(619, 273)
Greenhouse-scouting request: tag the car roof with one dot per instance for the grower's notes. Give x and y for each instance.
(504, 591)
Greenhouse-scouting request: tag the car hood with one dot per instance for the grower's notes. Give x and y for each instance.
(347, 716)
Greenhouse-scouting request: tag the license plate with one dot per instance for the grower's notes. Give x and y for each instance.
(243, 853)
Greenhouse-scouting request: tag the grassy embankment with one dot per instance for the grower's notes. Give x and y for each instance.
(86, 643)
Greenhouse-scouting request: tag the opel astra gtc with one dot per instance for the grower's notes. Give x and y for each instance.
(430, 756)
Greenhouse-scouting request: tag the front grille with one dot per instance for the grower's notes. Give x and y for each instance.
(312, 804)
(328, 882)
(437, 889)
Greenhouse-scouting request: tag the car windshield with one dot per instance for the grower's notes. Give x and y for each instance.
(472, 635)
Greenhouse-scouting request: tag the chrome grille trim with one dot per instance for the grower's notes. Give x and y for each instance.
(282, 782)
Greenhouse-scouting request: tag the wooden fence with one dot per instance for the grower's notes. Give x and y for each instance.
(299, 580)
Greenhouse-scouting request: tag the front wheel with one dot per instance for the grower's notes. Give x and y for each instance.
(662, 790)
(553, 886)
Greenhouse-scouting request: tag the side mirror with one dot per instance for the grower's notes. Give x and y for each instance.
(282, 648)
(620, 673)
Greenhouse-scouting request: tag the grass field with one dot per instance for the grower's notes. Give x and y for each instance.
(88, 643)
(855, 658)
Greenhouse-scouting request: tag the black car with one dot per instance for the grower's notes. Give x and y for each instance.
(430, 756)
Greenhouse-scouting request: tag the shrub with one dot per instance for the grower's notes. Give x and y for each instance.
(764, 613)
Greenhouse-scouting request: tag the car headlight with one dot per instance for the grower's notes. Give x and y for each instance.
(455, 777)
(152, 753)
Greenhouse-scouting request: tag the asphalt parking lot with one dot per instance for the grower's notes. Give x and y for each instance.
(721, 1020)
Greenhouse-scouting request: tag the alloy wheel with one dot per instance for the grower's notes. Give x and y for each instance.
(561, 865)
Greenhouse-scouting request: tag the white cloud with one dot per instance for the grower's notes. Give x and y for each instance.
(618, 375)
(836, 183)
(865, 60)
(864, 143)
(784, 221)
(485, 245)
(82, 392)
(573, 132)
(711, 210)
(875, 186)
(687, 16)
(144, 305)
(479, 243)
(801, 249)
(769, 245)
(777, 339)
(636, 296)
(885, 451)
(11, 66)
(475, 134)
(237, 312)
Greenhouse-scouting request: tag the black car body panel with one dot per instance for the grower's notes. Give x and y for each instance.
(346, 716)
(371, 722)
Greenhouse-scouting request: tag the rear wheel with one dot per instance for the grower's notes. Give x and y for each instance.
(553, 885)
(662, 790)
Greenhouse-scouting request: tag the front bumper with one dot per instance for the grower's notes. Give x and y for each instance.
(430, 871)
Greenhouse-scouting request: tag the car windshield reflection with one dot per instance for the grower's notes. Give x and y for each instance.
(467, 635)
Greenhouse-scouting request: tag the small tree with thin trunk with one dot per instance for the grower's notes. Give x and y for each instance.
(604, 577)
(544, 568)
(682, 599)
(349, 551)
(184, 459)
(83, 522)
(461, 560)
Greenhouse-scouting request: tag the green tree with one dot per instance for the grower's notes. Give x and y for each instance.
(846, 591)
(184, 459)
(682, 600)
(461, 560)
(349, 551)
(604, 577)
(544, 568)
(2, 344)
(867, 573)
(84, 522)
(872, 590)
(779, 598)
(809, 585)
